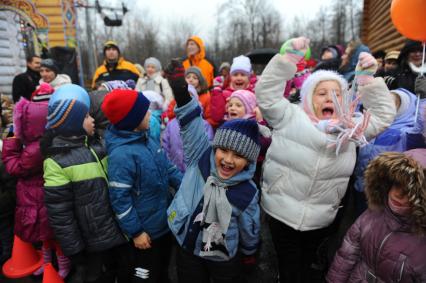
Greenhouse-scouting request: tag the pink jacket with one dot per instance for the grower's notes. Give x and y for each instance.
(22, 158)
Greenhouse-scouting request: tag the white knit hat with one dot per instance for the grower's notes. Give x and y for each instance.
(241, 64)
(311, 83)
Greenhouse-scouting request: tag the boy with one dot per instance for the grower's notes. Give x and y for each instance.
(215, 213)
(140, 176)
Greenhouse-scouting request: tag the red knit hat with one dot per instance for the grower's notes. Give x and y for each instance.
(125, 109)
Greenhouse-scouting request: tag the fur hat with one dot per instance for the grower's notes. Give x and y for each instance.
(153, 61)
(395, 168)
(68, 107)
(125, 109)
(248, 99)
(241, 136)
(241, 64)
(311, 83)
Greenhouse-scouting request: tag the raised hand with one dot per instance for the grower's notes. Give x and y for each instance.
(366, 68)
(295, 49)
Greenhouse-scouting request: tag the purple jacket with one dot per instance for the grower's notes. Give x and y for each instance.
(172, 142)
(22, 158)
(380, 244)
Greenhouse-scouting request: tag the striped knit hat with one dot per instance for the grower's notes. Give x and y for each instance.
(68, 107)
(241, 136)
(125, 108)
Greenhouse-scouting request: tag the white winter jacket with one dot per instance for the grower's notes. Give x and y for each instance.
(303, 180)
(162, 87)
(60, 80)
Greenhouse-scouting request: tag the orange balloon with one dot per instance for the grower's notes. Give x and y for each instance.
(409, 17)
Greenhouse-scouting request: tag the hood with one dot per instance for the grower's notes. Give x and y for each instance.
(397, 168)
(115, 138)
(200, 55)
(245, 175)
(405, 114)
(29, 119)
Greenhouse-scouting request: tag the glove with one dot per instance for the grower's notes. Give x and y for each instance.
(365, 69)
(174, 70)
(295, 49)
(420, 86)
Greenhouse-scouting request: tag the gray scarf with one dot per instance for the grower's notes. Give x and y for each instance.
(150, 82)
(215, 217)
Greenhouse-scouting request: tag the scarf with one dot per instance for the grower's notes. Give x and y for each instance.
(150, 82)
(215, 217)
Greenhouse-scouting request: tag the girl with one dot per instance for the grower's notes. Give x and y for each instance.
(153, 80)
(302, 187)
(22, 158)
(240, 78)
(387, 242)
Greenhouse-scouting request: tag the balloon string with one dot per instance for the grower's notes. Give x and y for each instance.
(421, 74)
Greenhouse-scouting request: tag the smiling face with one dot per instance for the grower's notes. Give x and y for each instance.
(228, 163)
(192, 48)
(398, 197)
(47, 74)
(235, 108)
(239, 80)
(322, 100)
(150, 70)
(415, 57)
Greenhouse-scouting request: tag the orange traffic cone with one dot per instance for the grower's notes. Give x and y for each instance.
(50, 275)
(24, 261)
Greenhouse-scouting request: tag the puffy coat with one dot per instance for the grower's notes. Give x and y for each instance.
(123, 71)
(60, 80)
(76, 196)
(199, 60)
(140, 176)
(22, 158)
(162, 87)
(303, 179)
(172, 142)
(244, 228)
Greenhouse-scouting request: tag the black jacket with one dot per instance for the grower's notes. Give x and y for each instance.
(76, 197)
(24, 84)
(7, 192)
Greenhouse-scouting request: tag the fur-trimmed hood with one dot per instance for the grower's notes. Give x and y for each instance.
(397, 168)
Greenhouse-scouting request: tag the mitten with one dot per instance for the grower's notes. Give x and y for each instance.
(420, 86)
(174, 70)
(365, 69)
(175, 74)
(295, 49)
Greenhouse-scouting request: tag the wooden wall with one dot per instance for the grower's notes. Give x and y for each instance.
(378, 31)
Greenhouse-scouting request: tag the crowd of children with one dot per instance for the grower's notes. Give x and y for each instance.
(109, 182)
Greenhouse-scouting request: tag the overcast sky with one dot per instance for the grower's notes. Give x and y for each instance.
(202, 12)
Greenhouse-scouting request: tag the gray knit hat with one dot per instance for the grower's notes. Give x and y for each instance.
(153, 61)
(241, 136)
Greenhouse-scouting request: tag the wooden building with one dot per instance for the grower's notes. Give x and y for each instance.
(28, 27)
(378, 31)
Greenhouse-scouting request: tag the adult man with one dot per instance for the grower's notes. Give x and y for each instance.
(24, 84)
(114, 66)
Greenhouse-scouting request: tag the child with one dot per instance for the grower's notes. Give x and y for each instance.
(155, 82)
(140, 176)
(194, 77)
(76, 188)
(23, 159)
(215, 213)
(313, 152)
(172, 141)
(241, 78)
(387, 242)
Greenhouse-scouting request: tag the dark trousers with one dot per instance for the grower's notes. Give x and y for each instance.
(110, 266)
(191, 268)
(152, 265)
(299, 253)
(6, 238)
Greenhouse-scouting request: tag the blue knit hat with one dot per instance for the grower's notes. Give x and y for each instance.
(67, 110)
(241, 136)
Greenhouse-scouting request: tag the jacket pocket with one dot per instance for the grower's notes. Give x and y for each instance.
(177, 214)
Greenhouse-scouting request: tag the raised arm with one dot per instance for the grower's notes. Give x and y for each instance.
(270, 88)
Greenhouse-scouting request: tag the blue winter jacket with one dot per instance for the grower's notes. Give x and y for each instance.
(139, 178)
(155, 125)
(244, 227)
(403, 134)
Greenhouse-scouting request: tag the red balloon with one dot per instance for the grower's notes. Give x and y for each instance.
(409, 17)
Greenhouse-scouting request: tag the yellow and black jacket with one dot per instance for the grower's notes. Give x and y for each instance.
(123, 71)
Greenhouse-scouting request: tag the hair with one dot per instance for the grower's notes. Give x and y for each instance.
(30, 57)
(395, 168)
(379, 54)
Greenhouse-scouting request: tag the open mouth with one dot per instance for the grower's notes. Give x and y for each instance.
(226, 170)
(239, 84)
(233, 115)
(327, 112)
